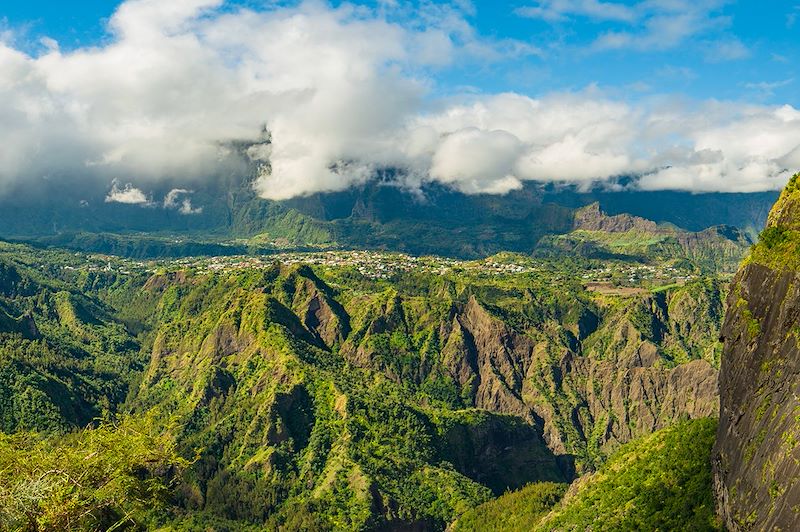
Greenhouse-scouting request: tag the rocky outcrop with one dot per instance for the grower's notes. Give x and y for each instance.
(722, 245)
(320, 313)
(626, 403)
(25, 325)
(644, 363)
(756, 458)
(597, 235)
(592, 218)
(501, 357)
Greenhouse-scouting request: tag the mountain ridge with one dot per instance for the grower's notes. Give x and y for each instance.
(434, 220)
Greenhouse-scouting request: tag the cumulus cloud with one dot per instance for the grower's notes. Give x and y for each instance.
(477, 160)
(324, 97)
(495, 143)
(752, 150)
(180, 79)
(127, 194)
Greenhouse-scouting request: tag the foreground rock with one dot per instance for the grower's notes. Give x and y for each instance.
(756, 457)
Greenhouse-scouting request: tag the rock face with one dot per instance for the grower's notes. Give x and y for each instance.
(592, 218)
(610, 376)
(757, 458)
(619, 404)
(598, 235)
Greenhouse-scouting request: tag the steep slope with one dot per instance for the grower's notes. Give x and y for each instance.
(659, 482)
(757, 457)
(246, 366)
(595, 372)
(65, 359)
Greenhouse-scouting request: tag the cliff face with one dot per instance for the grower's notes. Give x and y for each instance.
(592, 218)
(592, 378)
(597, 235)
(757, 458)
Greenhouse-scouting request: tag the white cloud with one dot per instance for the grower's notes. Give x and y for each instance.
(127, 194)
(726, 50)
(175, 200)
(752, 150)
(477, 160)
(495, 143)
(562, 10)
(645, 25)
(187, 208)
(172, 197)
(345, 91)
(768, 88)
(179, 79)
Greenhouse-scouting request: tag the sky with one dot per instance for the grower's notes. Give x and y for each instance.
(480, 95)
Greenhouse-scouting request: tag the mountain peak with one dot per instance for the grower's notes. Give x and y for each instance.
(785, 213)
(592, 218)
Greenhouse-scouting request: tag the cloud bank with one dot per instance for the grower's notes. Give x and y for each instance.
(344, 92)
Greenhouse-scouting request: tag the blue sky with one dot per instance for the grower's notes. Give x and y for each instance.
(478, 95)
(742, 50)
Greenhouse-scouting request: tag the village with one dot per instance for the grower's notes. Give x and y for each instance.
(599, 276)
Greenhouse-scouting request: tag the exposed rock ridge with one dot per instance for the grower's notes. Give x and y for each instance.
(592, 218)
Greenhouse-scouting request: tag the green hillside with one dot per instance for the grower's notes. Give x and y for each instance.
(660, 482)
(331, 391)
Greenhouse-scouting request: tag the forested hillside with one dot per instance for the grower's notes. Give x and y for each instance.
(337, 397)
(659, 482)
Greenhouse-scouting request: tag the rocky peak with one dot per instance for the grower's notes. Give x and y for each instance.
(786, 211)
(592, 218)
(320, 313)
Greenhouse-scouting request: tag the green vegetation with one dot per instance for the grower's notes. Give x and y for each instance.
(365, 391)
(778, 245)
(105, 478)
(715, 249)
(777, 248)
(65, 358)
(660, 482)
(517, 510)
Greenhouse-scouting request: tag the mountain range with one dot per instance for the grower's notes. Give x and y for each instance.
(248, 385)
(226, 217)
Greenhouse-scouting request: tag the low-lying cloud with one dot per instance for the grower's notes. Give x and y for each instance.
(344, 92)
(178, 199)
(127, 194)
